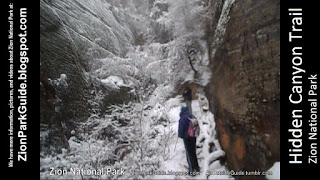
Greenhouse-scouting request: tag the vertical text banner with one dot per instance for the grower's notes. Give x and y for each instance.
(299, 89)
(20, 79)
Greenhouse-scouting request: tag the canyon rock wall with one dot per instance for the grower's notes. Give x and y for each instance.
(73, 34)
(244, 91)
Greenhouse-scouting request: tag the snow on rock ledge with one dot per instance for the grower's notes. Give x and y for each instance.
(274, 171)
(114, 82)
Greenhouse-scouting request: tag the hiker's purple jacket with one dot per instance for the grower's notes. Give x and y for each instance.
(184, 122)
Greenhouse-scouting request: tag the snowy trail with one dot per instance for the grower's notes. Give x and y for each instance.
(208, 150)
(177, 159)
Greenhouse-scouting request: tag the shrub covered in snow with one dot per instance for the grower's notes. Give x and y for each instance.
(131, 136)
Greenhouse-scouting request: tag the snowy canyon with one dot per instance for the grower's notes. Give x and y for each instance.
(112, 73)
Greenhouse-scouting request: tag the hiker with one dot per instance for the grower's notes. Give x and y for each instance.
(187, 96)
(188, 133)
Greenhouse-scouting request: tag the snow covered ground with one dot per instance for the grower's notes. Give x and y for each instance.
(176, 165)
(169, 163)
(90, 152)
(208, 151)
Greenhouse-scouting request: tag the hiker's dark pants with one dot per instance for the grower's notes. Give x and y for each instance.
(190, 146)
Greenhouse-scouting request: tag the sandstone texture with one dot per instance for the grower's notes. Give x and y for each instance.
(244, 92)
(72, 35)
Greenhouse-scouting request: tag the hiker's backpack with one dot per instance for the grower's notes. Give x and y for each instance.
(193, 129)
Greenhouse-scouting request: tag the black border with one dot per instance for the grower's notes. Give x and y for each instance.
(309, 44)
(30, 168)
